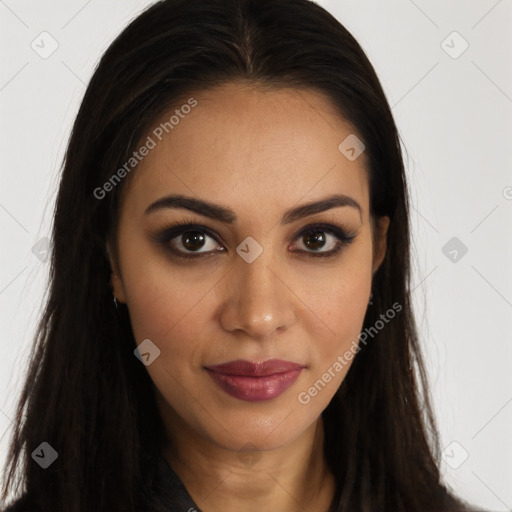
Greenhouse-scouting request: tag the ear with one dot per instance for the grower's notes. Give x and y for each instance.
(116, 281)
(381, 230)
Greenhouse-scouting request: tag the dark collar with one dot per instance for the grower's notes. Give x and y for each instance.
(168, 492)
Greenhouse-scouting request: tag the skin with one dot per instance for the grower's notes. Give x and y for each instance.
(259, 152)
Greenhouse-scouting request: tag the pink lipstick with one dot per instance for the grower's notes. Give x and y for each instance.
(253, 381)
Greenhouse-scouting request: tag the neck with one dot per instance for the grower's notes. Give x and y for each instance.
(292, 477)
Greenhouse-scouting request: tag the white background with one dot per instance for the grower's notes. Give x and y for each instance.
(455, 119)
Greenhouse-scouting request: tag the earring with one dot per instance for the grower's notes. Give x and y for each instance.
(114, 276)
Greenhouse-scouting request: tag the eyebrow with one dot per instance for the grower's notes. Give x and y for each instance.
(228, 216)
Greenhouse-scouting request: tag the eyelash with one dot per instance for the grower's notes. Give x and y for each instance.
(180, 227)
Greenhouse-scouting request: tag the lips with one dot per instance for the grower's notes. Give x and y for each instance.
(255, 381)
(250, 369)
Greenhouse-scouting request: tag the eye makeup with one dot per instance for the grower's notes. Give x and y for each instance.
(326, 233)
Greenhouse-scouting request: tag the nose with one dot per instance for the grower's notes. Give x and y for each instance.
(257, 299)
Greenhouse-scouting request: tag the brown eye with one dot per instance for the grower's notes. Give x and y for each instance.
(193, 240)
(322, 240)
(315, 240)
(188, 240)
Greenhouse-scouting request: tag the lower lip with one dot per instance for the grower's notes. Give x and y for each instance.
(255, 389)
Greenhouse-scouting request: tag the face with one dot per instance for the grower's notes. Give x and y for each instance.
(266, 278)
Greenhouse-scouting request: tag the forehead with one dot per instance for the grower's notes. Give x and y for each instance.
(250, 147)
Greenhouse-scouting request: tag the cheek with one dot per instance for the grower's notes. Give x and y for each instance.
(166, 301)
(347, 288)
(167, 310)
(341, 300)
(347, 309)
(348, 303)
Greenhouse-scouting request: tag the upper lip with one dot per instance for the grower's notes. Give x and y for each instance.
(255, 369)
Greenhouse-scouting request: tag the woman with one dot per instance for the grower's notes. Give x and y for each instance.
(229, 323)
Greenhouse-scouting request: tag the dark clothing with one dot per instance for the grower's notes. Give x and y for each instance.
(168, 490)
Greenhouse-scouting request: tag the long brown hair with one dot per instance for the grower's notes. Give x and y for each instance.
(88, 396)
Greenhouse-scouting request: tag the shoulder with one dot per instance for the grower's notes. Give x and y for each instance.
(23, 504)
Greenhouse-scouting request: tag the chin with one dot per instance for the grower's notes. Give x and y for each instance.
(259, 430)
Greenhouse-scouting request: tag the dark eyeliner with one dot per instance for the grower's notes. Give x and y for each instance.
(165, 236)
(178, 228)
(344, 239)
